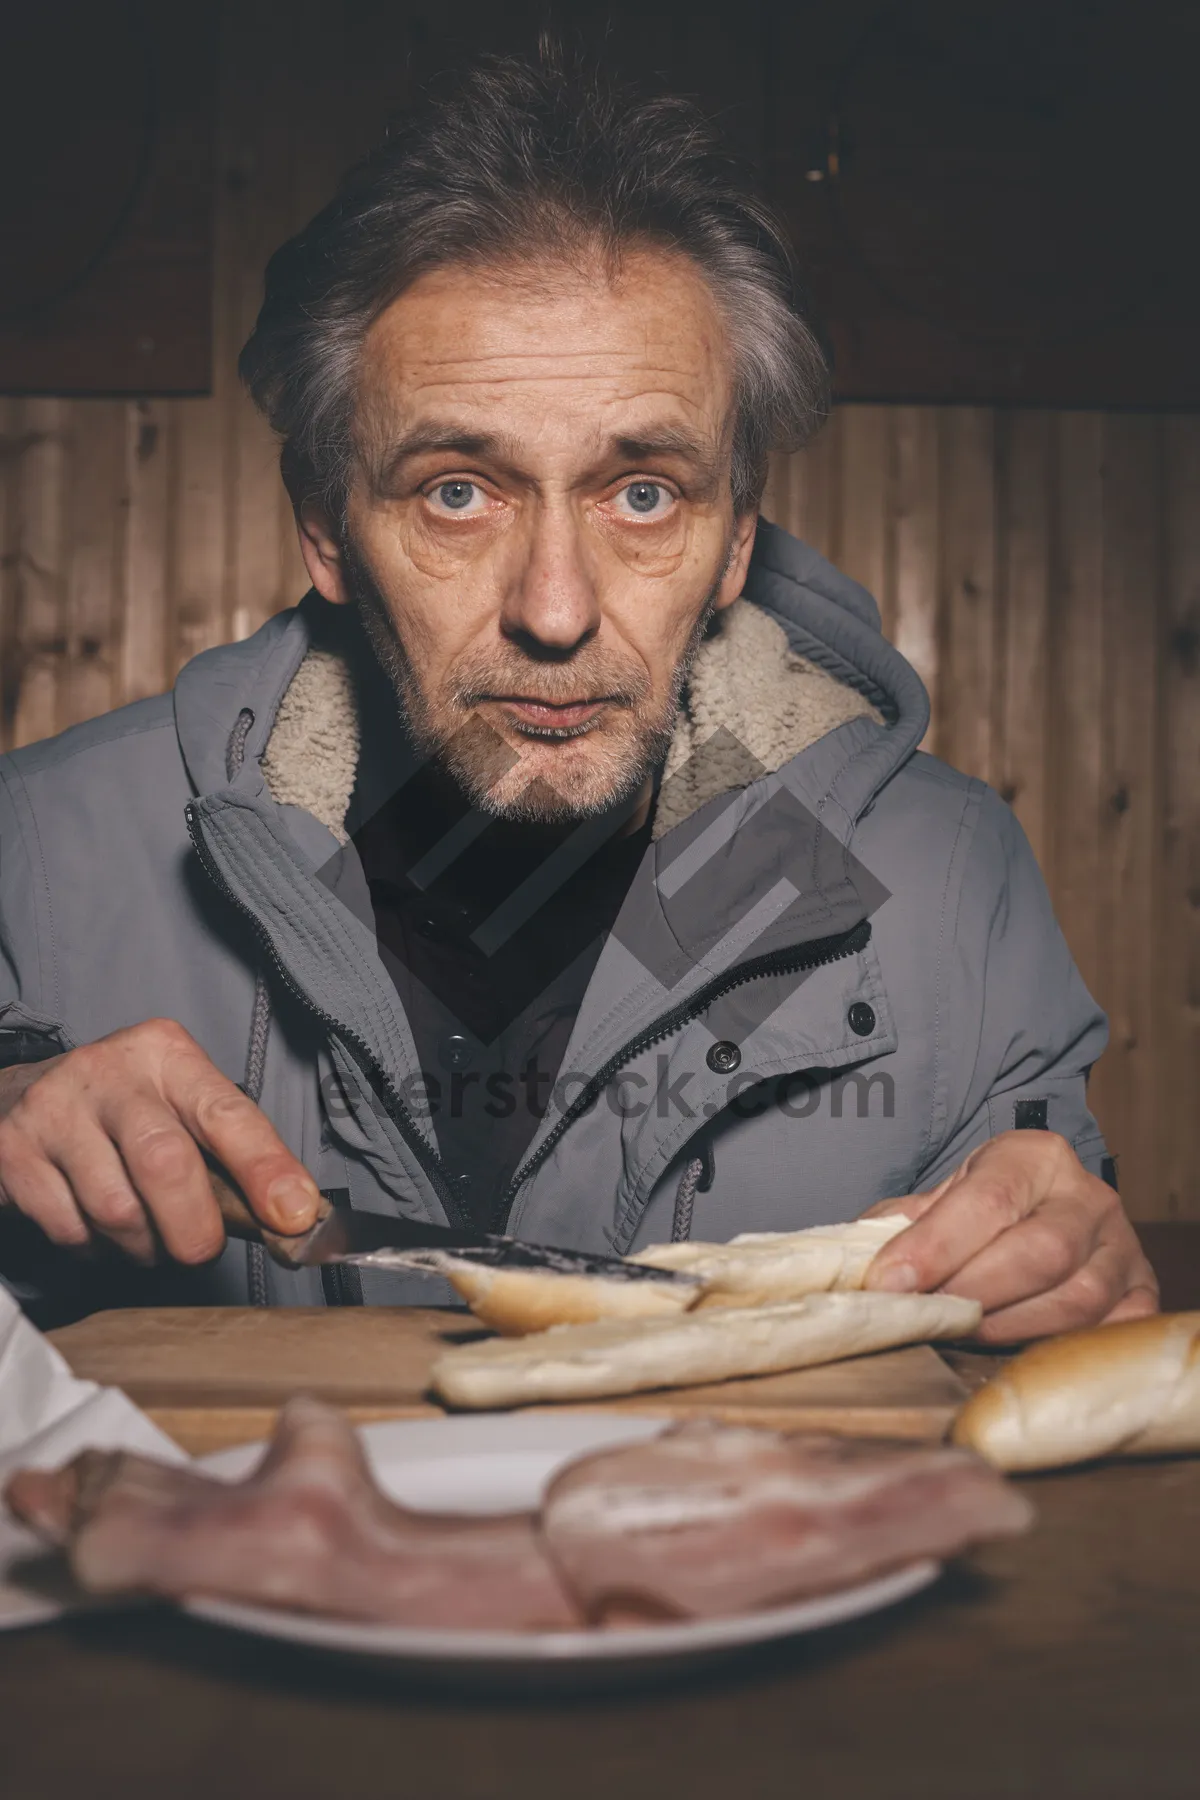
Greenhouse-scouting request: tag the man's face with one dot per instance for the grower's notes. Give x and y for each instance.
(541, 520)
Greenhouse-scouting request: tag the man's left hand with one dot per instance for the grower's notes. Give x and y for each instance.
(1022, 1227)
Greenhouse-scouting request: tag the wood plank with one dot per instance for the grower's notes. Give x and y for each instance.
(795, 490)
(913, 600)
(144, 621)
(9, 466)
(40, 550)
(195, 600)
(1024, 500)
(864, 480)
(773, 505)
(262, 576)
(1076, 725)
(967, 589)
(215, 1372)
(1130, 840)
(1178, 1022)
(811, 500)
(95, 484)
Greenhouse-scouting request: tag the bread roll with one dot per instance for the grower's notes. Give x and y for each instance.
(517, 1301)
(1118, 1390)
(589, 1362)
(756, 1268)
(762, 1267)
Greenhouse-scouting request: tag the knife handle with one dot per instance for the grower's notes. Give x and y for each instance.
(240, 1222)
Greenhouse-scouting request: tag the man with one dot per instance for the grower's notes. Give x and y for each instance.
(565, 862)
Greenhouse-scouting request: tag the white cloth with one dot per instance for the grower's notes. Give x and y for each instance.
(47, 1415)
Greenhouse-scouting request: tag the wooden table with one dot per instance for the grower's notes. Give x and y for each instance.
(214, 1376)
(1064, 1665)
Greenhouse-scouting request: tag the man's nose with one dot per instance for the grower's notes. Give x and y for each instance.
(552, 606)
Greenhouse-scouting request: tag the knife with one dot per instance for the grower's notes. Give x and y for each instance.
(379, 1241)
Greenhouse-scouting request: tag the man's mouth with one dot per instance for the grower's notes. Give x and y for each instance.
(550, 717)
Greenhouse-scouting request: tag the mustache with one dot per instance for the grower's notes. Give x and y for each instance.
(582, 679)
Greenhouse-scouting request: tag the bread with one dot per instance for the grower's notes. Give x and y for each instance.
(517, 1301)
(761, 1267)
(589, 1362)
(756, 1268)
(1118, 1390)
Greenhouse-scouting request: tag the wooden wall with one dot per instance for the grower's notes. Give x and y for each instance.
(1042, 571)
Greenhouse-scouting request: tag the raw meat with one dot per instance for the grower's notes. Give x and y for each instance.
(309, 1529)
(710, 1520)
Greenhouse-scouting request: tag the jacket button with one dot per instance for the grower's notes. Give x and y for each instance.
(454, 1052)
(724, 1057)
(862, 1018)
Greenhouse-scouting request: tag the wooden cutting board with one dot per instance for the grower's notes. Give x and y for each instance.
(212, 1376)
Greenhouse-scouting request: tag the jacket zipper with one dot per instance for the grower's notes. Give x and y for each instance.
(796, 961)
(376, 1076)
(809, 956)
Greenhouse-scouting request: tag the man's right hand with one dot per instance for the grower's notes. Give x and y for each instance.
(103, 1142)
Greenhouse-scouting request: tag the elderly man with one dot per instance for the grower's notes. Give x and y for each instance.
(565, 862)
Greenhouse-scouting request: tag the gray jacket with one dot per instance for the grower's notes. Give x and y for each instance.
(836, 973)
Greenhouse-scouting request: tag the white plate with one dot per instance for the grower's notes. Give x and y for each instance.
(502, 1463)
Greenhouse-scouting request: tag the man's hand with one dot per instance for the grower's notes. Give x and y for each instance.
(102, 1141)
(1023, 1228)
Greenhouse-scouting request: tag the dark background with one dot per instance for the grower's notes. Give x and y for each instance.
(993, 198)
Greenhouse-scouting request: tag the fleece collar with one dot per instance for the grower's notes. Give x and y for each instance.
(796, 670)
(752, 704)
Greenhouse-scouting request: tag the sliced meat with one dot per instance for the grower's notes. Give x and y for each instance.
(709, 1520)
(308, 1529)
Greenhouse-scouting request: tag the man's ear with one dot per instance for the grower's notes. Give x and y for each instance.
(740, 552)
(321, 549)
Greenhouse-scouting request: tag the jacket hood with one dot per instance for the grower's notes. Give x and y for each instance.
(834, 623)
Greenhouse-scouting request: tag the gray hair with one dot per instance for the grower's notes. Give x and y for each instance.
(527, 160)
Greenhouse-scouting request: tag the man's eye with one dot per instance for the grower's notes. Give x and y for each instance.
(457, 497)
(644, 500)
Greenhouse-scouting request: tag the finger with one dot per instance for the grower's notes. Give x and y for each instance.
(1085, 1298)
(41, 1192)
(945, 1237)
(106, 1196)
(1141, 1296)
(908, 1206)
(1140, 1302)
(278, 1187)
(1033, 1257)
(166, 1174)
(992, 1191)
(913, 1206)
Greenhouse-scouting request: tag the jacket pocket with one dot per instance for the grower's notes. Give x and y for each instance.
(27, 1038)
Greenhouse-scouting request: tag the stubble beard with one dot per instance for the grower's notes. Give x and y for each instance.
(593, 768)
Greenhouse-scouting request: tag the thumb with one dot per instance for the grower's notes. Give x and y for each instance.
(908, 1206)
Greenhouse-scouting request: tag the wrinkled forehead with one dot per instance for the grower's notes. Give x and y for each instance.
(551, 355)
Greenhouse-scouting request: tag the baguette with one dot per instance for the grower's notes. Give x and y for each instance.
(1131, 1389)
(758, 1268)
(518, 1301)
(598, 1361)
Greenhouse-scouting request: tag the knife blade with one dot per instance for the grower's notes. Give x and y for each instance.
(377, 1240)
